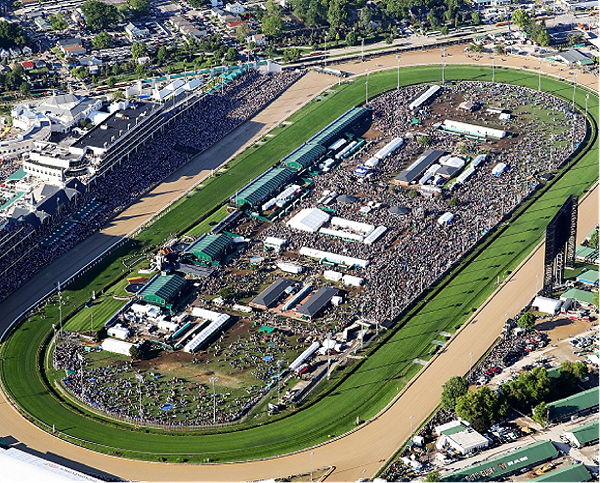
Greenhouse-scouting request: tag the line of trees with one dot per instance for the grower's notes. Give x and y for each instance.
(102, 16)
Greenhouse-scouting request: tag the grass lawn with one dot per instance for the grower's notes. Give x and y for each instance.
(94, 317)
(370, 384)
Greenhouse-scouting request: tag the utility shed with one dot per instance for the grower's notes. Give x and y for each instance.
(304, 156)
(210, 249)
(264, 186)
(573, 473)
(272, 294)
(506, 465)
(317, 302)
(162, 290)
(583, 435)
(582, 402)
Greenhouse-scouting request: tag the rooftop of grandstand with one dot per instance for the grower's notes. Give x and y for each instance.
(272, 294)
(210, 248)
(503, 466)
(573, 473)
(162, 290)
(304, 156)
(317, 302)
(577, 403)
(118, 123)
(585, 434)
(263, 186)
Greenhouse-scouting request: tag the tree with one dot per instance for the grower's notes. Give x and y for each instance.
(424, 140)
(478, 48)
(162, 54)
(231, 55)
(351, 38)
(433, 476)
(475, 18)
(454, 388)
(575, 39)
(291, 54)
(242, 32)
(135, 352)
(57, 22)
(99, 15)
(530, 388)
(526, 321)
(540, 413)
(272, 25)
(138, 49)
(365, 18)
(520, 17)
(481, 408)
(316, 13)
(102, 41)
(454, 201)
(593, 241)
(138, 8)
(338, 13)
(11, 34)
(499, 49)
(570, 375)
(543, 38)
(24, 89)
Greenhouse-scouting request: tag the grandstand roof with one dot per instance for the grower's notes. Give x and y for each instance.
(163, 289)
(263, 186)
(210, 247)
(568, 473)
(586, 434)
(573, 404)
(269, 296)
(304, 156)
(505, 465)
(339, 126)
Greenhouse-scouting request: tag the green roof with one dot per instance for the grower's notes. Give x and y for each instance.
(263, 186)
(210, 247)
(304, 156)
(455, 429)
(573, 404)
(587, 433)
(568, 473)
(579, 295)
(507, 464)
(589, 276)
(162, 289)
(338, 127)
(587, 253)
(18, 175)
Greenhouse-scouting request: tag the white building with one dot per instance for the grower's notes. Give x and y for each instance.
(235, 8)
(117, 346)
(473, 129)
(465, 442)
(309, 219)
(546, 305)
(118, 332)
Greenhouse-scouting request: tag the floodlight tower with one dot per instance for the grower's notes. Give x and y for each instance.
(213, 380)
(398, 72)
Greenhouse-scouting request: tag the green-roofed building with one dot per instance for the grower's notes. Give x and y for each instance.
(163, 290)
(582, 296)
(508, 464)
(581, 402)
(264, 186)
(304, 156)
(586, 254)
(584, 435)
(589, 277)
(354, 121)
(574, 473)
(455, 429)
(210, 249)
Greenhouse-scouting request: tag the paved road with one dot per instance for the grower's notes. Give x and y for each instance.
(363, 452)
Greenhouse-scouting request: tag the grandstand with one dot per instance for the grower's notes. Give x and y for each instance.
(210, 249)
(304, 156)
(162, 290)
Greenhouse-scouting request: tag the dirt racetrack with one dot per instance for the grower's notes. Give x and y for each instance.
(363, 452)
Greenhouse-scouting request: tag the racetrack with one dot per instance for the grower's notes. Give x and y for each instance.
(369, 445)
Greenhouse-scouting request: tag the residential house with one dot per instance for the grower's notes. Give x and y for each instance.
(71, 47)
(235, 8)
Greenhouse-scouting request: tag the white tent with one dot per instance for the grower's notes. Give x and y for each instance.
(117, 346)
(309, 219)
(446, 218)
(546, 305)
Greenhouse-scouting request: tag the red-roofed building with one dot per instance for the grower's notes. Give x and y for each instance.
(27, 65)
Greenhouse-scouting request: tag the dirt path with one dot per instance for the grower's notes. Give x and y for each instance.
(363, 452)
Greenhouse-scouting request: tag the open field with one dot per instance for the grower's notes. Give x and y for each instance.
(379, 377)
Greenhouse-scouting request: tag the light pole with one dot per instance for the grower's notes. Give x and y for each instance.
(213, 380)
(587, 97)
(493, 68)
(443, 54)
(367, 89)
(398, 72)
(139, 378)
(574, 88)
(540, 75)
(362, 49)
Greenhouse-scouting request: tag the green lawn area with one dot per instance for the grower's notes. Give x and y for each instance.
(370, 384)
(205, 225)
(94, 317)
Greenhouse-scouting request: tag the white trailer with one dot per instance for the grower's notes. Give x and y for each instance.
(304, 356)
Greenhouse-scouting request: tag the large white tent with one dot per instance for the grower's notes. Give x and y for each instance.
(309, 219)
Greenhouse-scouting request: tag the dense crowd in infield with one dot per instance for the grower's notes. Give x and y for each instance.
(415, 251)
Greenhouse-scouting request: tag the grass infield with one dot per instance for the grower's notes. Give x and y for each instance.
(359, 392)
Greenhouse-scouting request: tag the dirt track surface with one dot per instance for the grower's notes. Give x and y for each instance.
(363, 452)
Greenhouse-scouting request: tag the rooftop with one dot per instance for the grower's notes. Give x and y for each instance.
(567, 474)
(573, 404)
(318, 301)
(269, 296)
